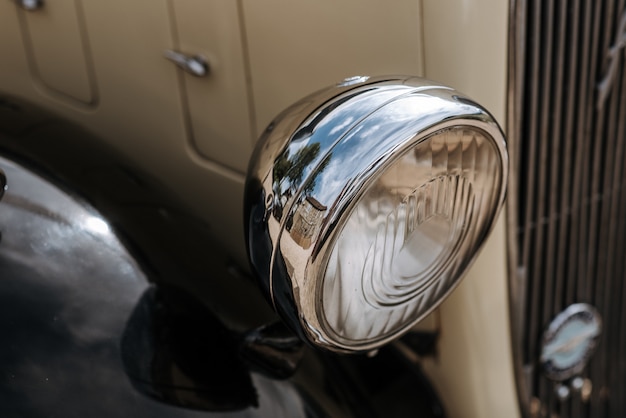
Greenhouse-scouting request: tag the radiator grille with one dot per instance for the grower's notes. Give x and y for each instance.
(568, 202)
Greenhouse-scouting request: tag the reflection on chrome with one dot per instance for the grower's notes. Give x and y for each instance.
(375, 198)
(96, 225)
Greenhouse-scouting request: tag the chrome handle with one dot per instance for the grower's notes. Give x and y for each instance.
(30, 5)
(194, 65)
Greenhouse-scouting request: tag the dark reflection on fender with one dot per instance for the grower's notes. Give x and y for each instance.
(177, 351)
(68, 289)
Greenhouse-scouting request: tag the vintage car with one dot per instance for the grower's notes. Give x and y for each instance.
(216, 208)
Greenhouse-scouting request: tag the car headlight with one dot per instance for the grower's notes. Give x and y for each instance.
(365, 204)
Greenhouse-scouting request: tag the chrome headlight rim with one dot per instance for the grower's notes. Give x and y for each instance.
(300, 306)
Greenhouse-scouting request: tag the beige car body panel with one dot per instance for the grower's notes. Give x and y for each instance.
(195, 135)
(465, 46)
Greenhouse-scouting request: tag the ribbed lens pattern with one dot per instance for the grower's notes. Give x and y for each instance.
(410, 248)
(411, 235)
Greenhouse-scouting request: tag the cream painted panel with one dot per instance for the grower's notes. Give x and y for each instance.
(473, 368)
(14, 71)
(54, 37)
(465, 47)
(218, 104)
(297, 47)
(141, 112)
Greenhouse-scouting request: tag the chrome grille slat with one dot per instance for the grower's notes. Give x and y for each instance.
(533, 296)
(556, 206)
(609, 212)
(542, 196)
(580, 151)
(618, 341)
(596, 226)
(569, 191)
(587, 113)
(567, 201)
(542, 248)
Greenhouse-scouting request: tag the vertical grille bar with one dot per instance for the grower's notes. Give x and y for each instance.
(541, 191)
(568, 192)
(571, 99)
(528, 213)
(606, 129)
(596, 228)
(617, 341)
(557, 163)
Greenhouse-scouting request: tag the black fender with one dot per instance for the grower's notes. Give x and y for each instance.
(115, 302)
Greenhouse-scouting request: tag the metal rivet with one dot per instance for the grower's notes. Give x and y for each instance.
(577, 384)
(562, 392)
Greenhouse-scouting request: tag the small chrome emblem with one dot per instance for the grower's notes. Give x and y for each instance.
(604, 87)
(569, 341)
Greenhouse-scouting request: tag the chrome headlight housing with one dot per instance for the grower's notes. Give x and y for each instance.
(366, 203)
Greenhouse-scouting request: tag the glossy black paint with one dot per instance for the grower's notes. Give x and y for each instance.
(141, 316)
(256, 230)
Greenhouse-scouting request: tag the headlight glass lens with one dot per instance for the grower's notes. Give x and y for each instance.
(410, 236)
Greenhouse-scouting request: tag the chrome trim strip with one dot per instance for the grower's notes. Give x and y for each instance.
(517, 279)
